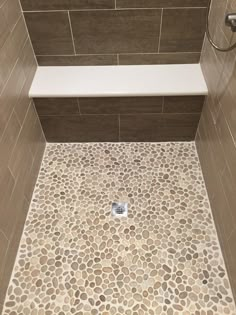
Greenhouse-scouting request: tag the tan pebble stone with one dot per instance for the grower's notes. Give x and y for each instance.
(83, 296)
(138, 297)
(183, 295)
(74, 266)
(157, 285)
(145, 234)
(166, 268)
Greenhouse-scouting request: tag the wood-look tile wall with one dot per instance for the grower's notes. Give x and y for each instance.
(21, 138)
(119, 118)
(216, 137)
(115, 32)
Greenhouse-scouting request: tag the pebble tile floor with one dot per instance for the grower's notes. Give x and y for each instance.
(75, 258)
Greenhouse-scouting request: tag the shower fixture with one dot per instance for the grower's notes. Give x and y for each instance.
(230, 21)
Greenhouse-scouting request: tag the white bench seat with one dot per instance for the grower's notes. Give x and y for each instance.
(118, 81)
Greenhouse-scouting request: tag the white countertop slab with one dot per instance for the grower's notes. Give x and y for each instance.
(108, 81)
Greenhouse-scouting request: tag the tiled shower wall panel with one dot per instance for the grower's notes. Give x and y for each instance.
(216, 137)
(21, 138)
(113, 32)
(114, 119)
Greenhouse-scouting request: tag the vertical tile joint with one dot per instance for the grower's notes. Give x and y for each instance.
(71, 31)
(159, 40)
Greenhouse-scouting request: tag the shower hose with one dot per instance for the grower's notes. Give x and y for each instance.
(210, 38)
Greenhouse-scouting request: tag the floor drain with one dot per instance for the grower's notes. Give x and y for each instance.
(119, 209)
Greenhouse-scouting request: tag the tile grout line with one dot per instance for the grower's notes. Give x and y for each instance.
(3, 89)
(17, 138)
(117, 9)
(136, 54)
(163, 102)
(159, 41)
(77, 99)
(71, 31)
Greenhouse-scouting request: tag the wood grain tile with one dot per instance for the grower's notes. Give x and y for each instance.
(158, 127)
(183, 104)
(120, 105)
(152, 59)
(186, 33)
(160, 3)
(116, 31)
(85, 128)
(32, 5)
(79, 60)
(56, 106)
(50, 32)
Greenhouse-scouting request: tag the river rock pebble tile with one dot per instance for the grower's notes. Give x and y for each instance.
(75, 258)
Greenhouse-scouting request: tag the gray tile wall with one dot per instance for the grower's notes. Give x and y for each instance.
(21, 138)
(120, 118)
(113, 32)
(216, 137)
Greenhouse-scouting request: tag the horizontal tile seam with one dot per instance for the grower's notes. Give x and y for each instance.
(124, 54)
(114, 54)
(121, 114)
(113, 9)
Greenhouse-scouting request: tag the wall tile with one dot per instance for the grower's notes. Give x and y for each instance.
(7, 183)
(29, 68)
(13, 245)
(218, 158)
(229, 185)
(22, 158)
(186, 33)
(121, 32)
(79, 60)
(183, 104)
(160, 3)
(135, 118)
(12, 211)
(10, 95)
(214, 146)
(229, 110)
(85, 128)
(120, 105)
(232, 261)
(56, 106)
(116, 31)
(40, 5)
(3, 27)
(19, 140)
(10, 52)
(12, 12)
(158, 127)
(9, 139)
(3, 250)
(149, 59)
(227, 143)
(50, 32)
